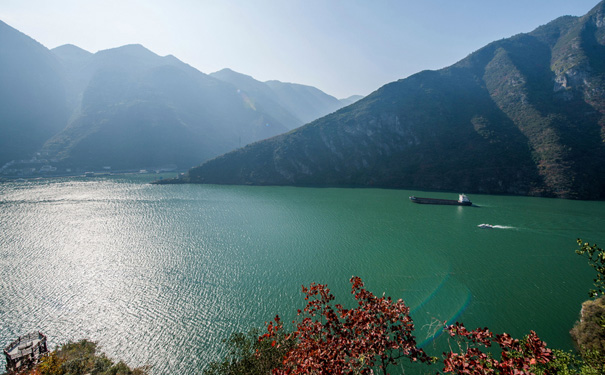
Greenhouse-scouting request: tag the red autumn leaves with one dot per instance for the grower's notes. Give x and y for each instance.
(517, 357)
(378, 332)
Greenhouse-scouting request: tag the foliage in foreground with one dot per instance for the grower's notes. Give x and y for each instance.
(523, 356)
(596, 259)
(378, 332)
(80, 358)
(249, 355)
(372, 337)
(589, 332)
(332, 339)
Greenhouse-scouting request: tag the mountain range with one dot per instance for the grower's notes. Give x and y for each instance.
(32, 95)
(293, 103)
(523, 115)
(128, 108)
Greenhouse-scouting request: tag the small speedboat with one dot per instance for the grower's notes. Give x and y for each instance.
(485, 226)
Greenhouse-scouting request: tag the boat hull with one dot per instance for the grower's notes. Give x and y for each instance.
(446, 202)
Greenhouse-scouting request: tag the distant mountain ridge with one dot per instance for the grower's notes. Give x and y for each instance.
(523, 115)
(259, 96)
(306, 102)
(138, 109)
(303, 103)
(32, 95)
(350, 100)
(125, 108)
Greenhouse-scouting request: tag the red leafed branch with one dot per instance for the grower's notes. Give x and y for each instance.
(518, 357)
(332, 339)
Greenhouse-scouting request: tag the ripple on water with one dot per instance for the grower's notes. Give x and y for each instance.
(161, 275)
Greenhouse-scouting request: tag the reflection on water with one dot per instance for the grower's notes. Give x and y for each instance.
(161, 275)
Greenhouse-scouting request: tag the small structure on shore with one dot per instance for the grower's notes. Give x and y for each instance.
(25, 351)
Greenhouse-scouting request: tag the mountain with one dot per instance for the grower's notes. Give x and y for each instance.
(306, 102)
(128, 108)
(523, 115)
(133, 109)
(350, 100)
(32, 95)
(295, 104)
(260, 96)
(73, 61)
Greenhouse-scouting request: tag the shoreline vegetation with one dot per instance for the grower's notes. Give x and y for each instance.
(92, 174)
(79, 358)
(371, 338)
(379, 333)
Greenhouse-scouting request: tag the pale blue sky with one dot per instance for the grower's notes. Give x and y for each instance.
(343, 47)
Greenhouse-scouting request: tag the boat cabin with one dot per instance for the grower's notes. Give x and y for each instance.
(462, 198)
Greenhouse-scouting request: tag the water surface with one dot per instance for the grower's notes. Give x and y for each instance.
(161, 275)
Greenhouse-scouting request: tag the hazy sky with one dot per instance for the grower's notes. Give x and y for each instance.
(342, 47)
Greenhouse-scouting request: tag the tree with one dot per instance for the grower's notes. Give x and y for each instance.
(250, 356)
(527, 356)
(334, 340)
(378, 332)
(596, 259)
(79, 358)
(589, 332)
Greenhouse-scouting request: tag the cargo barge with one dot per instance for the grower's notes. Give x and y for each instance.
(462, 201)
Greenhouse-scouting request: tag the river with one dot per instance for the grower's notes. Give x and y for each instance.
(161, 274)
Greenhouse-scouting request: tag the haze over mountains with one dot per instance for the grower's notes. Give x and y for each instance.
(128, 108)
(293, 103)
(523, 115)
(32, 95)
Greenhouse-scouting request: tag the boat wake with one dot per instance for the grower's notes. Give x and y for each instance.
(490, 226)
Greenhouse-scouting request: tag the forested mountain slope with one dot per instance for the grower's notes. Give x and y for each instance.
(125, 108)
(32, 95)
(523, 115)
(133, 108)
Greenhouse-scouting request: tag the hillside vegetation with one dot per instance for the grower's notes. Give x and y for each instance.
(523, 115)
(128, 108)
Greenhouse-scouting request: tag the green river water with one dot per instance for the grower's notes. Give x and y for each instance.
(160, 275)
